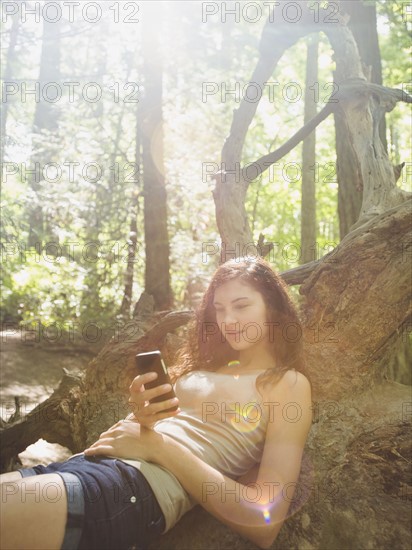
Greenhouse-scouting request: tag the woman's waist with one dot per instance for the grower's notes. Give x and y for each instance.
(231, 454)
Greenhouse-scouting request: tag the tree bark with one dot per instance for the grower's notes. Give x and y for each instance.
(362, 23)
(362, 113)
(373, 270)
(157, 274)
(308, 207)
(132, 243)
(131, 259)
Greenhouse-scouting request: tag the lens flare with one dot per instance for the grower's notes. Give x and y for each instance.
(273, 494)
(266, 516)
(245, 418)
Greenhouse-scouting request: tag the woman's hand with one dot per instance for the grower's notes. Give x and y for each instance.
(127, 439)
(147, 414)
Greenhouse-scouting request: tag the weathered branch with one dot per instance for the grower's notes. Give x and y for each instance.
(347, 91)
(298, 275)
(166, 325)
(50, 420)
(278, 35)
(262, 164)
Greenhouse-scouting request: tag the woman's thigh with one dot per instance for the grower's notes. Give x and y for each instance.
(33, 512)
(10, 476)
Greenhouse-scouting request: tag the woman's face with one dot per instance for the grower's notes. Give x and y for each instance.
(241, 314)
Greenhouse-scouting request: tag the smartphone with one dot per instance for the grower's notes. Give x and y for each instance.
(152, 362)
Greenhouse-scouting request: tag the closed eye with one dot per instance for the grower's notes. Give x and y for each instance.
(236, 307)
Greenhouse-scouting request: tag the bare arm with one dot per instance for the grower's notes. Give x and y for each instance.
(250, 476)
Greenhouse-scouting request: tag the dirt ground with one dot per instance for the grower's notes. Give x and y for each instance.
(32, 371)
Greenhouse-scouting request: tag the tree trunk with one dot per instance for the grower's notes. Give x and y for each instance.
(362, 23)
(8, 74)
(362, 109)
(308, 207)
(132, 243)
(46, 123)
(348, 176)
(157, 275)
(131, 260)
(98, 205)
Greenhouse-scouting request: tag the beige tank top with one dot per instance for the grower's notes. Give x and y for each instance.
(222, 421)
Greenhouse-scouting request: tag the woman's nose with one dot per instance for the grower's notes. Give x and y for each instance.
(230, 321)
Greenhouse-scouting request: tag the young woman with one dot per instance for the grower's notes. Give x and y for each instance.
(234, 445)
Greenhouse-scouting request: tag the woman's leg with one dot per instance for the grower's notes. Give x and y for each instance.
(33, 512)
(10, 476)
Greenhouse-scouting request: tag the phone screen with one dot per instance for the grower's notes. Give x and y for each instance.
(152, 361)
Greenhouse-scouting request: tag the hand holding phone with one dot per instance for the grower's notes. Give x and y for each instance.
(151, 392)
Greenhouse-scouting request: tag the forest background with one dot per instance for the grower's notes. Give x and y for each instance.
(73, 188)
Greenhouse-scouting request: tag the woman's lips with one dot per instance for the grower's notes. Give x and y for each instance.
(234, 334)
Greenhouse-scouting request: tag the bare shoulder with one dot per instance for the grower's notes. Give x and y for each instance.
(291, 399)
(295, 379)
(292, 384)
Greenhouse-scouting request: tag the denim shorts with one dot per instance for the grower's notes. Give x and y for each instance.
(111, 506)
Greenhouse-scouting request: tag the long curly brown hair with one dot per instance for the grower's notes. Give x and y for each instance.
(206, 349)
